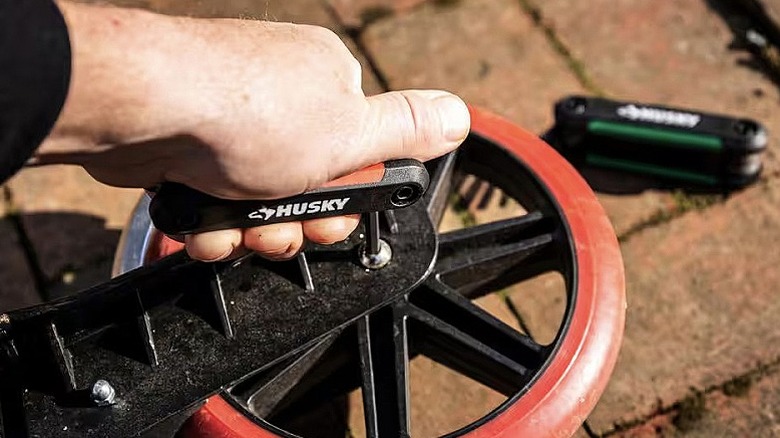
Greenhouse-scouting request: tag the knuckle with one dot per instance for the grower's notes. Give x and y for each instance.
(330, 36)
(354, 67)
(322, 34)
(411, 118)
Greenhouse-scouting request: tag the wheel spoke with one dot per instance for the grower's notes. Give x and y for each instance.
(451, 330)
(384, 363)
(437, 196)
(491, 234)
(487, 257)
(264, 394)
(449, 306)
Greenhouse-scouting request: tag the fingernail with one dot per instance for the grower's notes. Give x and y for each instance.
(454, 116)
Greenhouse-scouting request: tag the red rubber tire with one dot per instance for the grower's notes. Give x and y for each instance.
(564, 394)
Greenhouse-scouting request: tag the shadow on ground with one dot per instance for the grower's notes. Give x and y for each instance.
(742, 17)
(67, 252)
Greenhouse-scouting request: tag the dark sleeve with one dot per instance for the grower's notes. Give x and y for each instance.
(34, 77)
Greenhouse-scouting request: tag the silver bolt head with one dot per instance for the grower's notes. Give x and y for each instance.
(378, 260)
(102, 393)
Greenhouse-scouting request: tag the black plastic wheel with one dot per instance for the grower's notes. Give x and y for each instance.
(549, 389)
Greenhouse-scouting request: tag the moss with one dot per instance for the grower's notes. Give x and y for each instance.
(683, 203)
(690, 411)
(461, 208)
(659, 217)
(686, 202)
(574, 64)
(738, 386)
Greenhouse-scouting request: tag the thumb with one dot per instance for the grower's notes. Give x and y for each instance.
(420, 124)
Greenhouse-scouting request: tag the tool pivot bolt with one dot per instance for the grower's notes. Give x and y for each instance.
(404, 196)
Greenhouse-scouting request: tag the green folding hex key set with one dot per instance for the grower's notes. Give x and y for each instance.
(679, 145)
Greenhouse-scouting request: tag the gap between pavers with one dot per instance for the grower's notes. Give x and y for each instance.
(751, 408)
(358, 13)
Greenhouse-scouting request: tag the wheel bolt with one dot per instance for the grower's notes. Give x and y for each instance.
(102, 393)
(378, 260)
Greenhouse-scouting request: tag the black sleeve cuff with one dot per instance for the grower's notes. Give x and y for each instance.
(35, 63)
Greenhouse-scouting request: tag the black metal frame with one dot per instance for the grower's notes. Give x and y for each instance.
(170, 334)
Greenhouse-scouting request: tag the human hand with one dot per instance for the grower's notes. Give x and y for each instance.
(237, 109)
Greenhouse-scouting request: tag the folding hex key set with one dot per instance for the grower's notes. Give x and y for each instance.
(236, 349)
(696, 149)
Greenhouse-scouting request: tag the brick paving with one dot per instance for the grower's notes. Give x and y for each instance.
(491, 53)
(702, 279)
(488, 51)
(749, 407)
(702, 304)
(675, 53)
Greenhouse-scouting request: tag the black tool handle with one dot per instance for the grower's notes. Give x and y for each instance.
(177, 209)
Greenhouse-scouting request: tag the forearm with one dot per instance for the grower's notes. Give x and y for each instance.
(120, 85)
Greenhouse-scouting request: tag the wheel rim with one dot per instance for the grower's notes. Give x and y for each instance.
(550, 389)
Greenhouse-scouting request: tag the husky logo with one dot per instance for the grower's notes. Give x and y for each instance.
(263, 213)
(298, 208)
(660, 116)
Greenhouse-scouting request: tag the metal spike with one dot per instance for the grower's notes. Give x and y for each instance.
(62, 357)
(145, 330)
(221, 304)
(392, 223)
(308, 282)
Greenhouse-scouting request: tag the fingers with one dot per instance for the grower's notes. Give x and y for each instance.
(213, 246)
(330, 230)
(421, 124)
(276, 242)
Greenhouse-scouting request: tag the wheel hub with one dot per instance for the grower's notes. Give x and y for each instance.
(346, 270)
